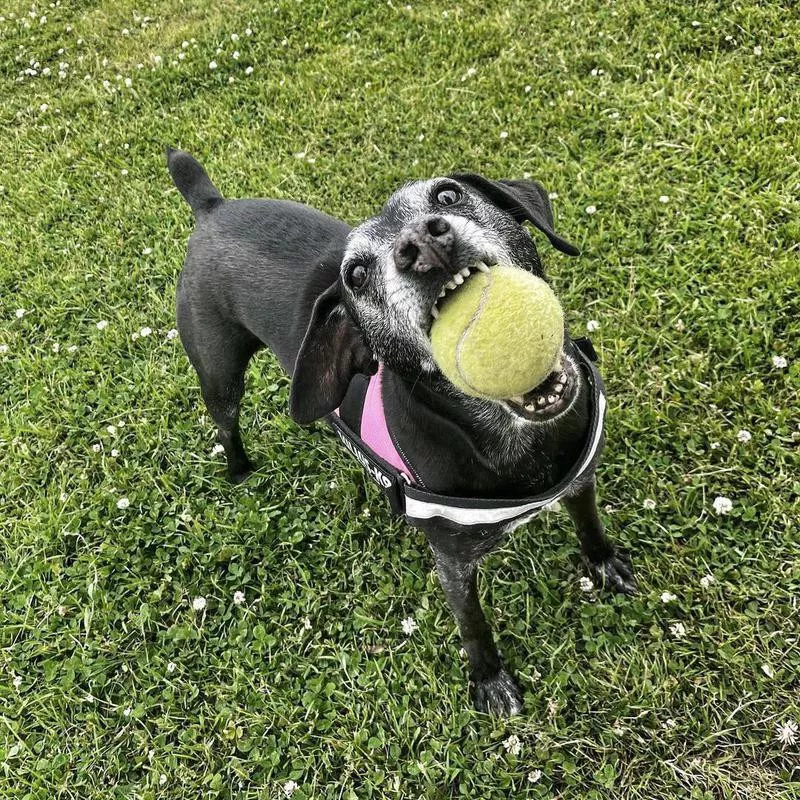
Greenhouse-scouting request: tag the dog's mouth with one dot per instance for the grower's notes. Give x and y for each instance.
(455, 281)
(548, 399)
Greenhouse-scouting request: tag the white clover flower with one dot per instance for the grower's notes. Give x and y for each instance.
(668, 597)
(409, 625)
(553, 195)
(786, 733)
(238, 598)
(289, 788)
(97, 447)
(678, 630)
(663, 199)
(172, 333)
(147, 251)
(145, 331)
(112, 429)
(528, 89)
(199, 603)
(217, 449)
(757, 50)
(248, 71)
(115, 453)
(171, 666)
(62, 611)
(534, 776)
(123, 503)
(513, 745)
(212, 64)
(126, 712)
(706, 581)
(780, 120)
(126, 32)
(102, 325)
(695, 23)
(17, 681)
(504, 134)
(3, 349)
(649, 503)
(162, 779)
(591, 209)
(184, 44)
(56, 347)
(20, 313)
(592, 325)
(307, 624)
(722, 505)
(744, 436)
(586, 584)
(128, 83)
(234, 37)
(43, 107)
(779, 362)
(235, 55)
(248, 32)
(768, 671)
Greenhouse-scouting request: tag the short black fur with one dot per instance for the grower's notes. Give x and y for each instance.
(269, 273)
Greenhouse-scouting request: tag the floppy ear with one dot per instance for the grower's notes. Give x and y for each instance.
(524, 200)
(332, 352)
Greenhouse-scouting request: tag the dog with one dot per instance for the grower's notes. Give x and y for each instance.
(346, 308)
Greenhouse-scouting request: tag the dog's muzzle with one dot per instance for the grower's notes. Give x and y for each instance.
(427, 244)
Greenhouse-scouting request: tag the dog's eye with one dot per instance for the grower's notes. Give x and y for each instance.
(356, 276)
(449, 196)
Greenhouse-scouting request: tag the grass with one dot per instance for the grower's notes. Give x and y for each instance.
(628, 102)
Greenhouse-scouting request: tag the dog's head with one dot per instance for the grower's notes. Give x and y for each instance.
(428, 237)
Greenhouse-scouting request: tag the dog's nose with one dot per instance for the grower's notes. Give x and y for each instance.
(424, 245)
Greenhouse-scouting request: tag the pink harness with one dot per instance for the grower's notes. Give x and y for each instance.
(374, 430)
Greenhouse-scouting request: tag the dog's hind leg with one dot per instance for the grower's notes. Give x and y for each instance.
(608, 565)
(220, 352)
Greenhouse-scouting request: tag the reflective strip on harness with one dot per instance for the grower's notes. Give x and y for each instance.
(464, 511)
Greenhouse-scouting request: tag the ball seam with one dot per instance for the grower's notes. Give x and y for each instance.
(475, 314)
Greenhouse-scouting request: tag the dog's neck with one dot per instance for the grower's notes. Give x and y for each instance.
(471, 447)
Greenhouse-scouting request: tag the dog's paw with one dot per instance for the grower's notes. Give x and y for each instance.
(499, 695)
(241, 473)
(614, 572)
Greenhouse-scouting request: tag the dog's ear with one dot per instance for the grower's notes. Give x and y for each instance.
(524, 200)
(332, 352)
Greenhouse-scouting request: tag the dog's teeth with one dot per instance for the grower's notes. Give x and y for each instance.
(530, 407)
(464, 272)
(551, 398)
(451, 284)
(482, 267)
(458, 279)
(443, 292)
(562, 377)
(434, 312)
(540, 401)
(559, 387)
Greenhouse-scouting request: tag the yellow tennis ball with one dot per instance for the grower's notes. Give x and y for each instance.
(499, 334)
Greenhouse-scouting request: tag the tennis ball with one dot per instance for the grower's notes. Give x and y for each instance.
(499, 334)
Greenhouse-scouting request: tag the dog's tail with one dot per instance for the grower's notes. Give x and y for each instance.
(192, 182)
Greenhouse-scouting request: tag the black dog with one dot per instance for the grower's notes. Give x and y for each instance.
(338, 305)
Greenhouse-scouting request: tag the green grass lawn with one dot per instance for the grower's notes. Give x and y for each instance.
(678, 124)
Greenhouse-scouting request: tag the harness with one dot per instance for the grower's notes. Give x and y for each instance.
(375, 449)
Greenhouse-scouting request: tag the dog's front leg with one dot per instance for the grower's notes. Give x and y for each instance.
(608, 565)
(494, 689)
